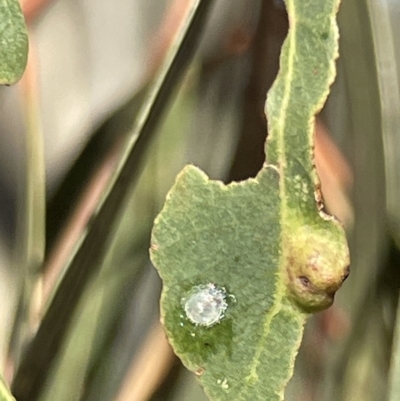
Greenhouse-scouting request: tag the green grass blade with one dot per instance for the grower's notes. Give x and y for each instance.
(260, 251)
(30, 242)
(14, 42)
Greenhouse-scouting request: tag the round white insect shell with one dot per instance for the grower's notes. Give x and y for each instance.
(205, 305)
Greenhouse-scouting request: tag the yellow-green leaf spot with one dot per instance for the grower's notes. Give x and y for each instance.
(13, 42)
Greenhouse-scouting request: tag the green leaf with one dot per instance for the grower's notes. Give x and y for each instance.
(263, 244)
(14, 42)
(230, 236)
(313, 244)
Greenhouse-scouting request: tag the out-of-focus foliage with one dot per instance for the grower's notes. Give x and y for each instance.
(5, 394)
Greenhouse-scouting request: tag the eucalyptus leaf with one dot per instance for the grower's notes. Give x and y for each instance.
(14, 42)
(243, 264)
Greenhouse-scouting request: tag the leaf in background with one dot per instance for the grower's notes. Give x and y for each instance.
(355, 368)
(383, 18)
(91, 248)
(258, 254)
(5, 394)
(394, 382)
(30, 238)
(14, 42)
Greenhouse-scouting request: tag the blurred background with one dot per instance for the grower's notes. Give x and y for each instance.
(90, 65)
